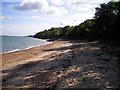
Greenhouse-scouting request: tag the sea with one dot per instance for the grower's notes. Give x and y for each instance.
(16, 43)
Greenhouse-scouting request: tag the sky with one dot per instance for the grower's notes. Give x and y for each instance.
(27, 17)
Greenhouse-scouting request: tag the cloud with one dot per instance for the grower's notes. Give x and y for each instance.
(2, 17)
(90, 6)
(27, 5)
(83, 2)
(74, 2)
(56, 7)
(82, 5)
(62, 23)
(9, 18)
(35, 17)
(78, 18)
(52, 10)
(40, 5)
(10, 6)
(57, 2)
(80, 8)
(5, 18)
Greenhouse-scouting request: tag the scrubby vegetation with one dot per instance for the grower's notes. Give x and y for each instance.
(104, 27)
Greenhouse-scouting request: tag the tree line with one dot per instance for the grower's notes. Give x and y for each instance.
(104, 26)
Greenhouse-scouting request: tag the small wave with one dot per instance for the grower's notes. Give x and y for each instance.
(11, 51)
(25, 48)
(31, 47)
(38, 45)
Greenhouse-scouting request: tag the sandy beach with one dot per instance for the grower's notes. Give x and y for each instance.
(62, 64)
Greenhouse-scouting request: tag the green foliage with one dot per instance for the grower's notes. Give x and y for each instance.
(105, 18)
(104, 26)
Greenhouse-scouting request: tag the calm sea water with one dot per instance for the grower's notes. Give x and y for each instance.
(14, 43)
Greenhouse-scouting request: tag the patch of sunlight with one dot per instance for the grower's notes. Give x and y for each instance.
(60, 75)
(29, 76)
(92, 74)
(26, 86)
(98, 78)
(66, 51)
(3, 74)
(74, 69)
(71, 82)
(44, 71)
(90, 71)
(84, 48)
(109, 87)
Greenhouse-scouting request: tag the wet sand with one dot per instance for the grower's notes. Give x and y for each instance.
(61, 64)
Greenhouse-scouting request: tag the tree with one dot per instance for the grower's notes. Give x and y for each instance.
(105, 17)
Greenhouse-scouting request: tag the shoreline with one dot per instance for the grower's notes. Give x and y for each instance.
(26, 54)
(63, 63)
(48, 42)
(15, 50)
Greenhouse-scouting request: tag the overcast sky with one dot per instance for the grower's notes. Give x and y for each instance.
(31, 16)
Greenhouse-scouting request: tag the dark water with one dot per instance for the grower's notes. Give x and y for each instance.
(14, 43)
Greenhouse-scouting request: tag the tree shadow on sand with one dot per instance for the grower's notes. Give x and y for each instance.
(81, 69)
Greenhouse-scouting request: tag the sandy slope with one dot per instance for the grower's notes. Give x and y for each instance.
(62, 64)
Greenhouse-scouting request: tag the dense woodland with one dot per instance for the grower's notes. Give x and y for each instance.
(105, 27)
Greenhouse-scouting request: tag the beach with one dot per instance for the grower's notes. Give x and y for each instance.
(62, 64)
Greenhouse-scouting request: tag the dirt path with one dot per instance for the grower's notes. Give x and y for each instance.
(64, 64)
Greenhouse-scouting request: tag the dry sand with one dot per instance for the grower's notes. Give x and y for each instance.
(62, 64)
